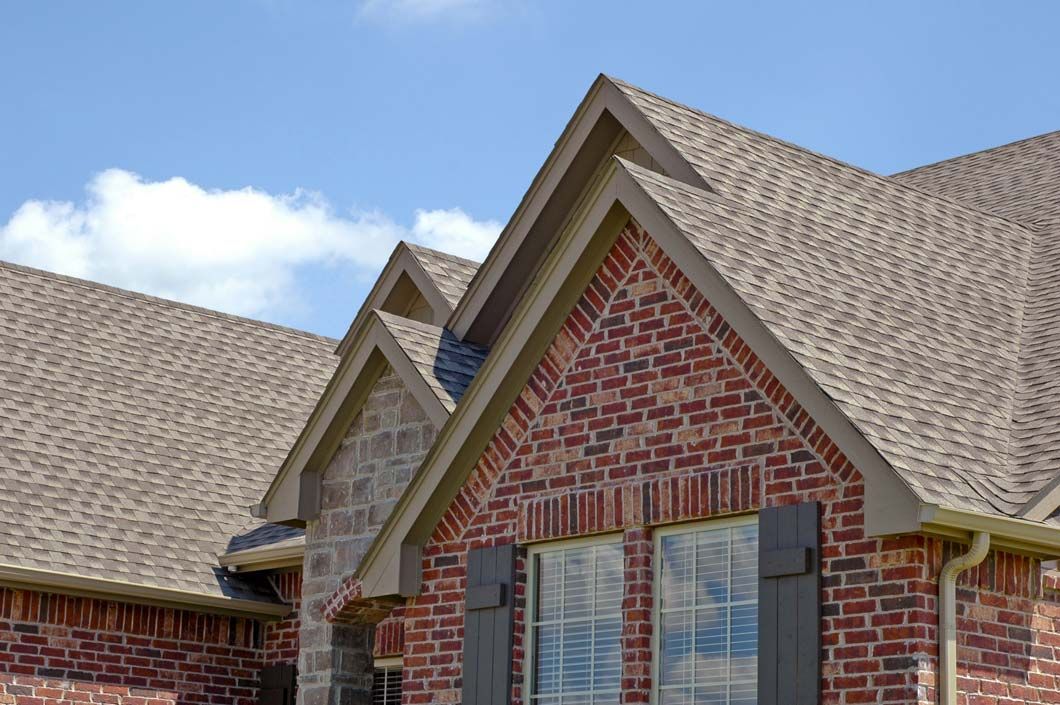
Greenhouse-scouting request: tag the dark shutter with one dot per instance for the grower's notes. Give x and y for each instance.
(278, 685)
(789, 605)
(488, 623)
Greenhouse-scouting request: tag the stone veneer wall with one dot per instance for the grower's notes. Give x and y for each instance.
(382, 449)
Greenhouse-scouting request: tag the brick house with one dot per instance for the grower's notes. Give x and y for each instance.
(719, 420)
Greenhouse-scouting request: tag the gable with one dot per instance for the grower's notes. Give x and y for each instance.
(645, 391)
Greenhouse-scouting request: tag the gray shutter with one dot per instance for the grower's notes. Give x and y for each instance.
(789, 605)
(488, 622)
(278, 685)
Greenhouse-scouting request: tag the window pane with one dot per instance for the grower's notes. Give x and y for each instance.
(676, 665)
(745, 563)
(607, 655)
(547, 664)
(712, 636)
(577, 626)
(677, 555)
(712, 567)
(549, 587)
(708, 621)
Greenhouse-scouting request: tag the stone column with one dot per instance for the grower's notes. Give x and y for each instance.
(340, 673)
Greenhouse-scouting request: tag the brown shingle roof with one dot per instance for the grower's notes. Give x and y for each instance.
(907, 307)
(447, 364)
(135, 432)
(451, 274)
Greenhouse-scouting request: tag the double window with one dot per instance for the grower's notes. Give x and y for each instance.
(706, 617)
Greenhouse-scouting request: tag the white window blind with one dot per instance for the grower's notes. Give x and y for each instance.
(386, 686)
(576, 625)
(707, 597)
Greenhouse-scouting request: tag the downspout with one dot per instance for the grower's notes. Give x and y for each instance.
(948, 614)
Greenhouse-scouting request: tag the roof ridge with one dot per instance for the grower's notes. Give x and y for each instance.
(158, 300)
(414, 246)
(820, 155)
(977, 152)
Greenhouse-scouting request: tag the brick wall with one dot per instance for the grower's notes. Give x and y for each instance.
(385, 444)
(61, 649)
(647, 408)
(281, 636)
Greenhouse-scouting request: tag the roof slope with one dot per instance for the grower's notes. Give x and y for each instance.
(135, 432)
(1021, 181)
(1017, 180)
(451, 274)
(447, 364)
(906, 307)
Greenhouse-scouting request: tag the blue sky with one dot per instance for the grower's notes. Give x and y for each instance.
(262, 156)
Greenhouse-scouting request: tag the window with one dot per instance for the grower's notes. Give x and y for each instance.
(707, 614)
(575, 623)
(386, 684)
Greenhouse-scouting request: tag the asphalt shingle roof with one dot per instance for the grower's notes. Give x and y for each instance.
(451, 274)
(447, 364)
(929, 322)
(135, 432)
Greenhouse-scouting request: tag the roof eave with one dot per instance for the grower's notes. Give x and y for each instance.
(119, 590)
(1011, 533)
(286, 554)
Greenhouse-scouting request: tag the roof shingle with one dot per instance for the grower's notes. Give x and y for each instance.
(906, 307)
(135, 432)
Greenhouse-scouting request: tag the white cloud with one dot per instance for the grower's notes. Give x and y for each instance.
(455, 231)
(422, 11)
(237, 251)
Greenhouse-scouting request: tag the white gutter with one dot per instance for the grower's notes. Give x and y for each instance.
(948, 614)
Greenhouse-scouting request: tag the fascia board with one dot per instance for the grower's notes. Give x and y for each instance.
(1018, 535)
(68, 583)
(286, 554)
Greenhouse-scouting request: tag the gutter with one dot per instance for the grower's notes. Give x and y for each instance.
(287, 554)
(105, 589)
(948, 614)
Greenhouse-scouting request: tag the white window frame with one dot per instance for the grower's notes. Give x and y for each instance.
(658, 534)
(533, 551)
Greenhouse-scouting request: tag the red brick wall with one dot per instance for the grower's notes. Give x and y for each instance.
(281, 636)
(62, 649)
(646, 409)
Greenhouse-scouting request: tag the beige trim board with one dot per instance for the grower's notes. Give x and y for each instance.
(1044, 502)
(121, 591)
(286, 554)
(891, 506)
(372, 349)
(555, 191)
